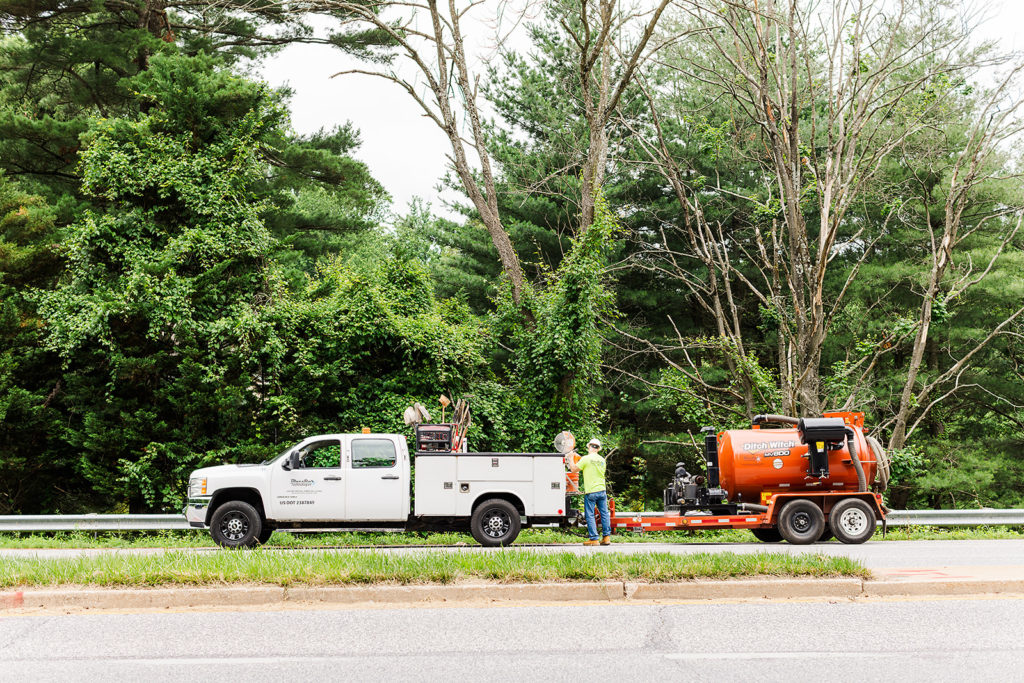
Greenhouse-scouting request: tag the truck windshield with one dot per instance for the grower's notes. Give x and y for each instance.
(267, 462)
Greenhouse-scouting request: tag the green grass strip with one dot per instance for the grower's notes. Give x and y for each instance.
(201, 539)
(428, 567)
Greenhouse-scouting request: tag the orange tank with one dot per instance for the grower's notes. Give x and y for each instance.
(572, 479)
(756, 461)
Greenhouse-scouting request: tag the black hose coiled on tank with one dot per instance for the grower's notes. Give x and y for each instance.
(862, 483)
(882, 461)
(784, 419)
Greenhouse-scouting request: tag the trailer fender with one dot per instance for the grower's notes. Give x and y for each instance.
(825, 500)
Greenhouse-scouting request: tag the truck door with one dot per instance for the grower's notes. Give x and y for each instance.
(315, 489)
(376, 480)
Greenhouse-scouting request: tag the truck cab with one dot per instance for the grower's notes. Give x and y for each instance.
(325, 479)
(350, 477)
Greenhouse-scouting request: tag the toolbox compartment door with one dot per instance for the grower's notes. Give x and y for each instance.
(436, 485)
(494, 467)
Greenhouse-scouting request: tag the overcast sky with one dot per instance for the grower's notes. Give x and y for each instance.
(405, 151)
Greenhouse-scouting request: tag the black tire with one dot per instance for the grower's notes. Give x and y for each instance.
(801, 522)
(767, 535)
(826, 535)
(265, 535)
(852, 520)
(495, 522)
(236, 524)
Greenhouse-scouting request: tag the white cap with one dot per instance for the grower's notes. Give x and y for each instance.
(594, 442)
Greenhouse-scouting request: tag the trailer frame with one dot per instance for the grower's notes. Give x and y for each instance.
(659, 521)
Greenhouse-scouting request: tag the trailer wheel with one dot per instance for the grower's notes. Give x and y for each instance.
(236, 524)
(767, 535)
(852, 520)
(801, 522)
(495, 522)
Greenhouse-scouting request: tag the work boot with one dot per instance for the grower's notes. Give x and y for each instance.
(607, 540)
(592, 542)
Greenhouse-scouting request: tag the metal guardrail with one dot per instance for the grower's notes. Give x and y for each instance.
(92, 522)
(986, 517)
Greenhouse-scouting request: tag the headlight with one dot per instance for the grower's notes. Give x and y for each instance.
(196, 487)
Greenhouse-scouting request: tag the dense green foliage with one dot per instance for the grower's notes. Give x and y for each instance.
(185, 281)
(153, 199)
(145, 315)
(30, 457)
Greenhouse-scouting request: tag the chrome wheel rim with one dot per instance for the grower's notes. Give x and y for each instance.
(234, 526)
(497, 523)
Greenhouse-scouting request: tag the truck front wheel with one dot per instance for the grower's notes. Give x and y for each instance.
(495, 522)
(236, 524)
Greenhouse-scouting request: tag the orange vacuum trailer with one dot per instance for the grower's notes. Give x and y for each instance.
(796, 479)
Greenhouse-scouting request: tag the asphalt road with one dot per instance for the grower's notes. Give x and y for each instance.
(905, 640)
(874, 554)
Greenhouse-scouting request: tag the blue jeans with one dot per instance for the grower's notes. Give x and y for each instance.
(600, 498)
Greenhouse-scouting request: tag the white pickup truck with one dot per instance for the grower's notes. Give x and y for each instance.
(351, 481)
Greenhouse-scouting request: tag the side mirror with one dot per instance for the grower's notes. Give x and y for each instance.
(286, 464)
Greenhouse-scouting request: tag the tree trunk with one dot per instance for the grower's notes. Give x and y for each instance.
(597, 150)
(899, 431)
(509, 258)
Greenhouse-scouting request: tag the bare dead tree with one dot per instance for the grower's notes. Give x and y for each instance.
(613, 41)
(606, 43)
(995, 124)
(429, 41)
(828, 86)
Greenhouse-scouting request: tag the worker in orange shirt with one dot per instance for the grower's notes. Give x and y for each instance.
(593, 466)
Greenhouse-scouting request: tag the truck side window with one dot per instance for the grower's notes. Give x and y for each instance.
(321, 454)
(373, 453)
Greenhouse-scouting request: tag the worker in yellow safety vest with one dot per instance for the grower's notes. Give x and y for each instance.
(593, 466)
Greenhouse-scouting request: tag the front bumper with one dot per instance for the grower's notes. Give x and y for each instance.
(195, 511)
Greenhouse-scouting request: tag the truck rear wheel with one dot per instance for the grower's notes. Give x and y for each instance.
(801, 522)
(495, 522)
(236, 524)
(852, 520)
